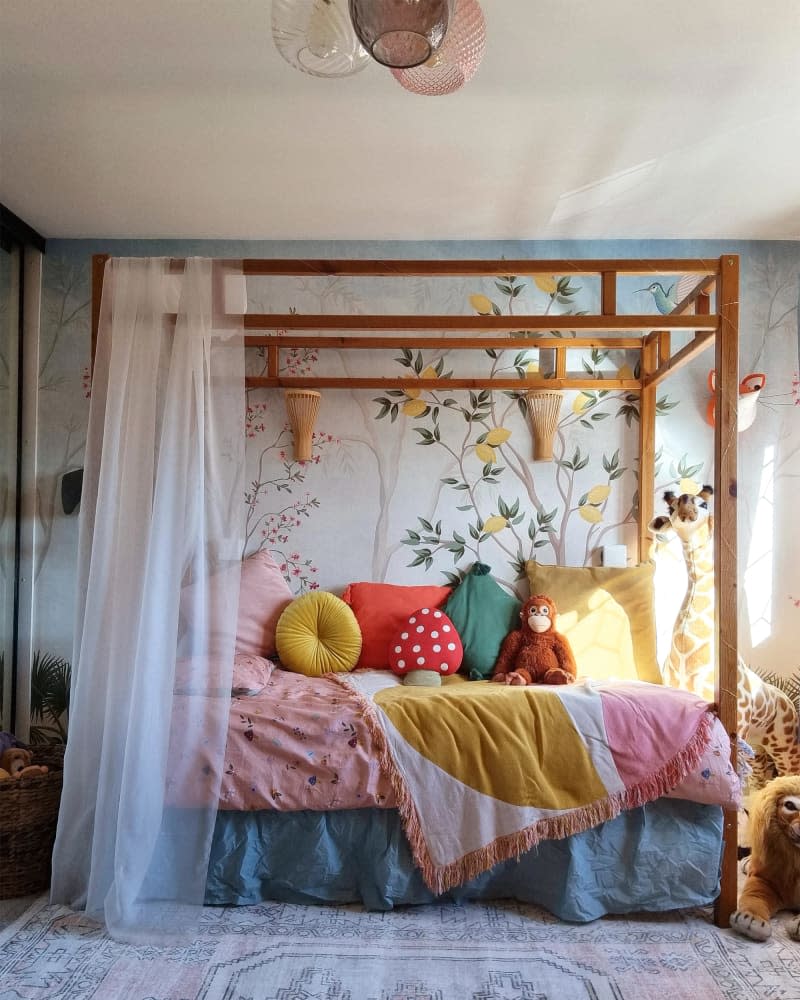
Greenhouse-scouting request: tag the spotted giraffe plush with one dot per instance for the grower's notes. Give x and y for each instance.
(766, 717)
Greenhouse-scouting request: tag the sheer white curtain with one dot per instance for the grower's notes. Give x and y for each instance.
(161, 535)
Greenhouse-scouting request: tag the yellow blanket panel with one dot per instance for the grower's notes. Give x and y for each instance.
(498, 740)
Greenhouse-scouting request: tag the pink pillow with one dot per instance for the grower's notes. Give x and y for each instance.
(263, 596)
(250, 674)
(380, 609)
(202, 675)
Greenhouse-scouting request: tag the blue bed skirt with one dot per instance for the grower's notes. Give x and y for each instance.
(662, 856)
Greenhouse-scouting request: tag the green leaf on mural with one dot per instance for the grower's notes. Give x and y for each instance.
(663, 405)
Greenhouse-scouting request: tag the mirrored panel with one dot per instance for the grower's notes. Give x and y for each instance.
(10, 260)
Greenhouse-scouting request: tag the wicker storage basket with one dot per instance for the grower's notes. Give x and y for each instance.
(28, 816)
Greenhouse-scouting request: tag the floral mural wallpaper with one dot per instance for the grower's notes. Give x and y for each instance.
(414, 486)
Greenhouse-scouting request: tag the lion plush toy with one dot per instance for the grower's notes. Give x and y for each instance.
(773, 868)
(535, 653)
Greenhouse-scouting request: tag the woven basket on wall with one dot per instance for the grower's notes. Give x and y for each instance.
(28, 816)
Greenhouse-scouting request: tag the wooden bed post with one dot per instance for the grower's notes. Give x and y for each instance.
(98, 270)
(647, 442)
(725, 558)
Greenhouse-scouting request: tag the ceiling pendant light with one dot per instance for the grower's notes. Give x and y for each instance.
(317, 37)
(401, 33)
(457, 60)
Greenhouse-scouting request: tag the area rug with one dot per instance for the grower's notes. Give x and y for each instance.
(505, 951)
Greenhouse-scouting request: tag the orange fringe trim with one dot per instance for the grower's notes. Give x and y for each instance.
(440, 878)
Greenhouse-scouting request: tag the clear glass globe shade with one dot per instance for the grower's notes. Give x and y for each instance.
(316, 37)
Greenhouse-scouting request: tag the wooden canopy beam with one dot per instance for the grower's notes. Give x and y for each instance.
(443, 343)
(414, 382)
(481, 324)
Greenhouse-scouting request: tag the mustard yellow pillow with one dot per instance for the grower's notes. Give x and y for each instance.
(318, 634)
(608, 615)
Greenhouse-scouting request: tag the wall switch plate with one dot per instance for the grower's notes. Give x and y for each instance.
(614, 555)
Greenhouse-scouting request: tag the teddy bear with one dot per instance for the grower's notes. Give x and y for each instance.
(16, 763)
(535, 653)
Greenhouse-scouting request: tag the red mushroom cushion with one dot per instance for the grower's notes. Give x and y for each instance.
(426, 641)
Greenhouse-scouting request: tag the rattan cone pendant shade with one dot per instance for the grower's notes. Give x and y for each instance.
(457, 60)
(401, 33)
(544, 407)
(317, 37)
(302, 406)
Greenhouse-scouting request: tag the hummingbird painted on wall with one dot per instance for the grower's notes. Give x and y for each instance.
(664, 300)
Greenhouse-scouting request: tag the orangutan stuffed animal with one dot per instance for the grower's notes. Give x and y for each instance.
(773, 868)
(535, 653)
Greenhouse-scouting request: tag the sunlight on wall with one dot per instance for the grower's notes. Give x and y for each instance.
(758, 575)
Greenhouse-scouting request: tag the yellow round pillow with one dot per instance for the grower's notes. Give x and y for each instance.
(318, 634)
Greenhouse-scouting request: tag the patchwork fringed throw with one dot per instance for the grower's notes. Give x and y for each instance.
(483, 772)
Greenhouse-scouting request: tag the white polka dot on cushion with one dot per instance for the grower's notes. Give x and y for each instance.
(416, 644)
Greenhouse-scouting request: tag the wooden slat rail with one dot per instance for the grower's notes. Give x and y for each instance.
(700, 291)
(413, 382)
(474, 268)
(444, 343)
(481, 324)
(701, 342)
(651, 338)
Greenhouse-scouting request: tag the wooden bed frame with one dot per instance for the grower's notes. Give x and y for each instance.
(717, 282)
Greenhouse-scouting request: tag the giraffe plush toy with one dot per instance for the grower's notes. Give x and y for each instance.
(767, 718)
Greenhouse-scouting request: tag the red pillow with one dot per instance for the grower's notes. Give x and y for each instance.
(380, 609)
(427, 640)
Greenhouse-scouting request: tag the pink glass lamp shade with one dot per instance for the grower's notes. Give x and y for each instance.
(401, 33)
(316, 37)
(457, 60)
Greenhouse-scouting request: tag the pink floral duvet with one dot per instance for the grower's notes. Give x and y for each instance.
(299, 743)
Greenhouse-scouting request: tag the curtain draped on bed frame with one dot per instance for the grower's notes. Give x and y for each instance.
(162, 507)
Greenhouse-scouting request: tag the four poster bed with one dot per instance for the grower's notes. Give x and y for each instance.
(649, 846)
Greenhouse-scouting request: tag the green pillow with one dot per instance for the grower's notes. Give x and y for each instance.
(483, 614)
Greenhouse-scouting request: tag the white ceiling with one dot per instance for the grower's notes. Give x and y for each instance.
(602, 119)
